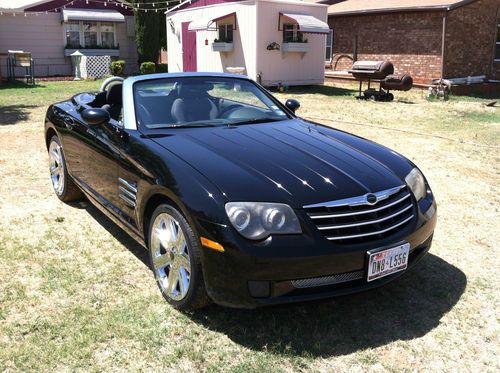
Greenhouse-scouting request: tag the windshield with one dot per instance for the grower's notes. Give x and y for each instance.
(202, 102)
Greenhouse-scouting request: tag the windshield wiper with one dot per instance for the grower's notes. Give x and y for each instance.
(186, 125)
(256, 120)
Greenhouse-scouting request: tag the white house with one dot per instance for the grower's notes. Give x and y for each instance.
(53, 29)
(272, 41)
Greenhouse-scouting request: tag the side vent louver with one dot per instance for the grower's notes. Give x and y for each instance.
(127, 192)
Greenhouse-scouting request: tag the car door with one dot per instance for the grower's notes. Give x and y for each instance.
(77, 142)
(101, 172)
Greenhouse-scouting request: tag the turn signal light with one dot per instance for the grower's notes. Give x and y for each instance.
(211, 244)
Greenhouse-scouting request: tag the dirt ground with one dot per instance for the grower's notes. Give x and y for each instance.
(76, 294)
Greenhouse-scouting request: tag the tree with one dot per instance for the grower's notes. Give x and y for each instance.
(147, 32)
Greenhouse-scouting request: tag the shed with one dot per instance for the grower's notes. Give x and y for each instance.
(272, 41)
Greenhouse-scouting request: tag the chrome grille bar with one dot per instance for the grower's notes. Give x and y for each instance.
(368, 222)
(352, 221)
(359, 200)
(367, 211)
(334, 238)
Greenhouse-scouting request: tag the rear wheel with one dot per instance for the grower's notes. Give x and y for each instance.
(63, 185)
(174, 254)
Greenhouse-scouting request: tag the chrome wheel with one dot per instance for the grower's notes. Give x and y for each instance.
(56, 167)
(170, 257)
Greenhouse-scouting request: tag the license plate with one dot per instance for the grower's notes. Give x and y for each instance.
(386, 262)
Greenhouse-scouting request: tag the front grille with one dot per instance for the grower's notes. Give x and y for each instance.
(327, 280)
(356, 220)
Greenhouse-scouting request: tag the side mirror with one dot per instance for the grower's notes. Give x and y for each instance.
(95, 117)
(292, 104)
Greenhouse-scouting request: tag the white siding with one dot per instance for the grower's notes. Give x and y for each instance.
(43, 36)
(244, 39)
(128, 48)
(290, 68)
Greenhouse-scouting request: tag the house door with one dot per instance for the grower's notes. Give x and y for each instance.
(188, 48)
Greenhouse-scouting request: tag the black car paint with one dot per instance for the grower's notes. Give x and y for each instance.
(199, 169)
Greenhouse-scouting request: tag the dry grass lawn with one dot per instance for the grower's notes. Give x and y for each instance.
(76, 295)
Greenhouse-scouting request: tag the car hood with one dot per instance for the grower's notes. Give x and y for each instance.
(293, 161)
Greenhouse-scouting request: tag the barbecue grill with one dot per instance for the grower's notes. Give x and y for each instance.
(383, 73)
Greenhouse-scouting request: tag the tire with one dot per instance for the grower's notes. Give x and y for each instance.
(62, 183)
(175, 261)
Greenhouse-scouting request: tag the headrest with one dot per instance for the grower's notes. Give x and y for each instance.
(193, 89)
(114, 95)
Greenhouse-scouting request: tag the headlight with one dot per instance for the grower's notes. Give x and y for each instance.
(258, 220)
(416, 182)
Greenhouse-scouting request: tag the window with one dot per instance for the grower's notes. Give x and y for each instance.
(225, 33)
(329, 46)
(497, 45)
(107, 34)
(90, 34)
(73, 34)
(291, 34)
(83, 34)
(203, 101)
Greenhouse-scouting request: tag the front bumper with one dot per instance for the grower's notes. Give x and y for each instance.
(249, 275)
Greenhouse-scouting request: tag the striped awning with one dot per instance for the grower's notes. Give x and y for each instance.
(308, 23)
(97, 15)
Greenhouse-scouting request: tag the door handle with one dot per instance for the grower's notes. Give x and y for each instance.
(69, 122)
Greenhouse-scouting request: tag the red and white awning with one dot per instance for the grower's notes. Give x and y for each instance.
(205, 23)
(308, 23)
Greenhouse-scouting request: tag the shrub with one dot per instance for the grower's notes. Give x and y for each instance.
(162, 68)
(148, 68)
(117, 68)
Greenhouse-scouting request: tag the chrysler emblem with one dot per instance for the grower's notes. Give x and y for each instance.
(371, 199)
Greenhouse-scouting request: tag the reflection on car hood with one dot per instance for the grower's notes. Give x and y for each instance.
(292, 161)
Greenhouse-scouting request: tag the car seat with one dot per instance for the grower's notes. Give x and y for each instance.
(193, 103)
(114, 101)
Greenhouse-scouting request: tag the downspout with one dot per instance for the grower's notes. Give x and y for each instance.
(443, 39)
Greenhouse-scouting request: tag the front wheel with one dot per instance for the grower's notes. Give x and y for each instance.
(174, 254)
(63, 185)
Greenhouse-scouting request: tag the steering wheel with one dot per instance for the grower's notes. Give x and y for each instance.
(108, 81)
(224, 114)
(241, 112)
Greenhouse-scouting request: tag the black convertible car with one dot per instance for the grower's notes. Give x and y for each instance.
(237, 199)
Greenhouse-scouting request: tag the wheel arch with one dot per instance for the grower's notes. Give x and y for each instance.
(51, 132)
(155, 199)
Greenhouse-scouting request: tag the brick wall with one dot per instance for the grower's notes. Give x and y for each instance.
(470, 40)
(412, 41)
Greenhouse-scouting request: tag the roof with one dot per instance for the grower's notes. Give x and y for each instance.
(185, 3)
(21, 5)
(358, 7)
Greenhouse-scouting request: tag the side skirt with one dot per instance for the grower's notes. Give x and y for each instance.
(109, 214)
